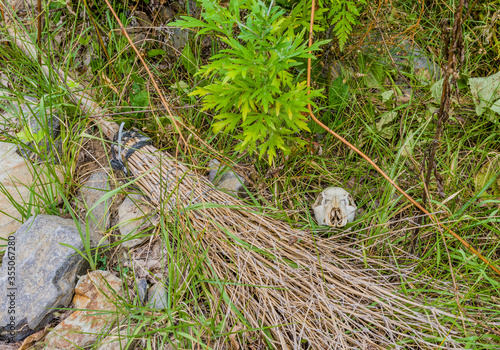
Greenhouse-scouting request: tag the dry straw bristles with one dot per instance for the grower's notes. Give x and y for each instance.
(300, 286)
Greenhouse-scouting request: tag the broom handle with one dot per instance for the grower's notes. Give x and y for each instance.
(81, 98)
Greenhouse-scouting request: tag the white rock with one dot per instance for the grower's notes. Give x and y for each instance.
(334, 207)
(16, 177)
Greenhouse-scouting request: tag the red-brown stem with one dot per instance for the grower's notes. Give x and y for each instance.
(364, 156)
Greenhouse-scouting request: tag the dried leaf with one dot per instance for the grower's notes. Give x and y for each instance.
(33, 339)
(439, 182)
(233, 339)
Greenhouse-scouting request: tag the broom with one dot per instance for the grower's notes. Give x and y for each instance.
(293, 287)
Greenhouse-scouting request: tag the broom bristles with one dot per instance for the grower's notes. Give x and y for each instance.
(302, 291)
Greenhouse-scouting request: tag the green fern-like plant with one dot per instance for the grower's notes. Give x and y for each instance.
(344, 14)
(253, 82)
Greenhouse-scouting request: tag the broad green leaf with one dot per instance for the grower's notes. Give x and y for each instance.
(437, 90)
(386, 95)
(26, 135)
(486, 93)
(156, 52)
(385, 119)
(408, 145)
(487, 172)
(140, 99)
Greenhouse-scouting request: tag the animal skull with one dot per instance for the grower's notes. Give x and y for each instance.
(334, 207)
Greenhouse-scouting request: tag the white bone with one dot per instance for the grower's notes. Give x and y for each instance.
(334, 207)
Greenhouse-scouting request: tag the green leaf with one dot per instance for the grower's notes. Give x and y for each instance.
(486, 174)
(385, 119)
(140, 99)
(339, 93)
(486, 93)
(386, 95)
(188, 60)
(251, 87)
(155, 52)
(26, 135)
(436, 90)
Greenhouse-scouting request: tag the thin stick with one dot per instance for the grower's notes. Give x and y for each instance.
(453, 54)
(380, 171)
(162, 98)
(39, 36)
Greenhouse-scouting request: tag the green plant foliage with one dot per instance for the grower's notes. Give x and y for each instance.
(299, 16)
(188, 60)
(344, 14)
(341, 15)
(488, 173)
(253, 80)
(139, 97)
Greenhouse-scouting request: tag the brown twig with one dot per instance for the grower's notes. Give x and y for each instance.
(381, 172)
(454, 58)
(176, 123)
(101, 42)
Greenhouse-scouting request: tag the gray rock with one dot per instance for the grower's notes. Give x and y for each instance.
(35, 124)
(404, 53)
(135, 217)
(20, 182)
(142, 290)
(92, 191)
(45, 274)
(224, 178)
(157, 296)
(178, 39)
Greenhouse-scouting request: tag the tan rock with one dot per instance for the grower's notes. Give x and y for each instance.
(96, 292)
(117, 342)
